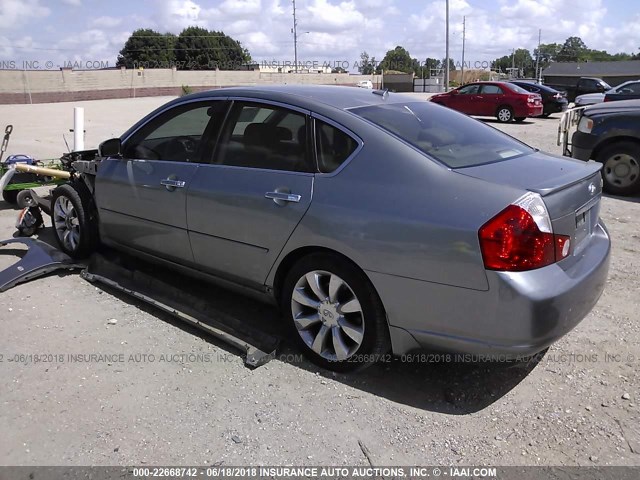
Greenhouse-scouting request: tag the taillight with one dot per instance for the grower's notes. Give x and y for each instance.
(606, 99)
(520, 237)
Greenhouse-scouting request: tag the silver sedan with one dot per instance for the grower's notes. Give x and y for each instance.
(379, 223)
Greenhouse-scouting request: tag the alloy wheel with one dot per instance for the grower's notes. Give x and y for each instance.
(327, 315)
(66, 222)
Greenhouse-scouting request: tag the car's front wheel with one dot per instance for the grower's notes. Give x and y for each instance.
(337, 317)
(504, 114)
(74, 221)
(621, 168)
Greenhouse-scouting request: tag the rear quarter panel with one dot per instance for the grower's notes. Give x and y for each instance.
(392, 210)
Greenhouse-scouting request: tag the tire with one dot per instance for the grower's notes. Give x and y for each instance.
(504, 114)
(621, 168)
(10, 196)
(74, 221)
(318, 327)
(545, 115)
(520, 119)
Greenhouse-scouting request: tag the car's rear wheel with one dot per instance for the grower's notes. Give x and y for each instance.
(621, 168)
(337, 317)
(10, 196)
(74, 221)
(504, 114)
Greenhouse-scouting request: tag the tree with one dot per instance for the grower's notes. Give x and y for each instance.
(147, 48)
(338, 70)
(197, 48)
(573, 50)
(398, 60)
(430, 65)
(547, 53)
(452, 64)
(367, 65)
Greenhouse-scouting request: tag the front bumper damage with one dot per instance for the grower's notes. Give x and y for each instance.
(40, 259)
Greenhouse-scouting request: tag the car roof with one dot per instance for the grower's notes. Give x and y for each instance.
(341, 97)
(537, 85)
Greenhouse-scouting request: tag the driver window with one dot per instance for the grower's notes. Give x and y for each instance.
(176, 135)
(469, 90)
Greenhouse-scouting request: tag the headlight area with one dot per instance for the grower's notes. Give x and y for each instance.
(585, 125)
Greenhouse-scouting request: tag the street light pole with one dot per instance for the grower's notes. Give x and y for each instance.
(295, 38)
(446, 69)
(464, 30)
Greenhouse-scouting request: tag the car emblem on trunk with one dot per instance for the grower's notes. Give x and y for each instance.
(592, 189)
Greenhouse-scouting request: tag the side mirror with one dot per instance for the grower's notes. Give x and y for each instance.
(110, 148)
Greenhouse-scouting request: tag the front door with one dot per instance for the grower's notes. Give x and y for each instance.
(242, 208)
(466, 99)
(141, 198)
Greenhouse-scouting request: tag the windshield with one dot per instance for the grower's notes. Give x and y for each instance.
(448, 136)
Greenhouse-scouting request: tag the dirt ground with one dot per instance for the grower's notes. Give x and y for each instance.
(169, 394)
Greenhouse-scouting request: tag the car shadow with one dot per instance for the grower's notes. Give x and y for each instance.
(631, 198)
(427, 382)
(438, 386)
(8, 206)
(528, 121)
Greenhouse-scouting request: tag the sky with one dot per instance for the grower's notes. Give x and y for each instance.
(89, 33)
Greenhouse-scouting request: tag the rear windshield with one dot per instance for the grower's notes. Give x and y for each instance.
(448, 136)
(517, 88)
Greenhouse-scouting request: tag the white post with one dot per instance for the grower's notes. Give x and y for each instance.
(78, 129)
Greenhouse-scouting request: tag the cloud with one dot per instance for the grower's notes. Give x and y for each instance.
(105, 22)
(16, 13)
(74, 3)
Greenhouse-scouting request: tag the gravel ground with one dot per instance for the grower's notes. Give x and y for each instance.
(171, 395)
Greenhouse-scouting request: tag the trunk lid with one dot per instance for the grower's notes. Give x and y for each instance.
(571, 189)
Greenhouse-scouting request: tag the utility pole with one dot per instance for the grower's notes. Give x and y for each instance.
(538, 55)
(446, 59)
(513, 62)
(464, 29)
(294, 30)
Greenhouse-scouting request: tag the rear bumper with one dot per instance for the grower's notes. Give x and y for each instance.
(534, 111)
(521, 314)
(556, 107)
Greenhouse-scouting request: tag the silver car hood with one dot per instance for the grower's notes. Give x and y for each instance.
(590, 98)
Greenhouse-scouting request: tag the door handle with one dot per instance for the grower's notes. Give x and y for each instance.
(171, 183)
(283, 197)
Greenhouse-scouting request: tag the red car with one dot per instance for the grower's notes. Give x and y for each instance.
(502, 100)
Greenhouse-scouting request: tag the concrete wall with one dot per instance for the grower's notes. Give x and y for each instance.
(65, 85)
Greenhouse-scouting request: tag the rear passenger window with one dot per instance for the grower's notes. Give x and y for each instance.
(333, 145)
(264, 136)
(492, 90)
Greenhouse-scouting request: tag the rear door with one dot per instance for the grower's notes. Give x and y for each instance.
(141, 198)
(243, 207)
(491, 97)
